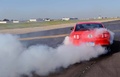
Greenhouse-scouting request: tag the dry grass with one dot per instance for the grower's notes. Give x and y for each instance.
(40, 26)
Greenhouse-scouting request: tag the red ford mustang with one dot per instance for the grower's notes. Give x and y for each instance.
(90, 33)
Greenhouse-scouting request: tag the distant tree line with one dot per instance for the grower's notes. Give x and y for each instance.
(6, 20)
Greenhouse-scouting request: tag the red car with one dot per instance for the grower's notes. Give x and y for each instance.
(90, 33)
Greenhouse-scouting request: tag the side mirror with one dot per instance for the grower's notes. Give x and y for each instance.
(72, 28)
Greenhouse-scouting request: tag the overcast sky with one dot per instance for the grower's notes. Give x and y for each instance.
(25, 9)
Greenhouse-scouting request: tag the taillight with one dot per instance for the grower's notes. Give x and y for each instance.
(76, 36)
(105, 35)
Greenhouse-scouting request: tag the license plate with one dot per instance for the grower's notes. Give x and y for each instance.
(91, 44)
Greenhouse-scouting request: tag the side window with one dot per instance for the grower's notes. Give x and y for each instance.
(100, 26)
(78, 27)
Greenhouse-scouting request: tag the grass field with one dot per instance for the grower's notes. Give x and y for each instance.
(41, 24)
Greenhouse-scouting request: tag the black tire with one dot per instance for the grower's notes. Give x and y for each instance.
(108, 48)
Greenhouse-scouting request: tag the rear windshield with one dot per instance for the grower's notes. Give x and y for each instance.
(87, 26)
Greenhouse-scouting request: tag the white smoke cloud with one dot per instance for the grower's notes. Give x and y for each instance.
(16, 60)
(102, 30)
(10, 49)
(112, 34)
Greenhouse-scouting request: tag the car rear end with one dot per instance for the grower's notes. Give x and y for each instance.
(92, 37)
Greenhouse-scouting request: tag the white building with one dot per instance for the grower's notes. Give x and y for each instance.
(3, 22)
(47, 19)
(33, 20)
(15, 21)
(65, 19)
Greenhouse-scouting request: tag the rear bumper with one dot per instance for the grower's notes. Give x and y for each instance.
(102, 42)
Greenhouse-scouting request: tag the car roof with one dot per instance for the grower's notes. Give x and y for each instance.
(89, 23)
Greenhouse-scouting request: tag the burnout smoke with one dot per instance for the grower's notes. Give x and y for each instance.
(102, 30)
(16, 60)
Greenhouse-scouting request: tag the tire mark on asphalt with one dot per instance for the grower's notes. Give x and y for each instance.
(88, 67)
(44, 37)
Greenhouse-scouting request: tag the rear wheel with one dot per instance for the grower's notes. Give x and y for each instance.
(108, 48)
